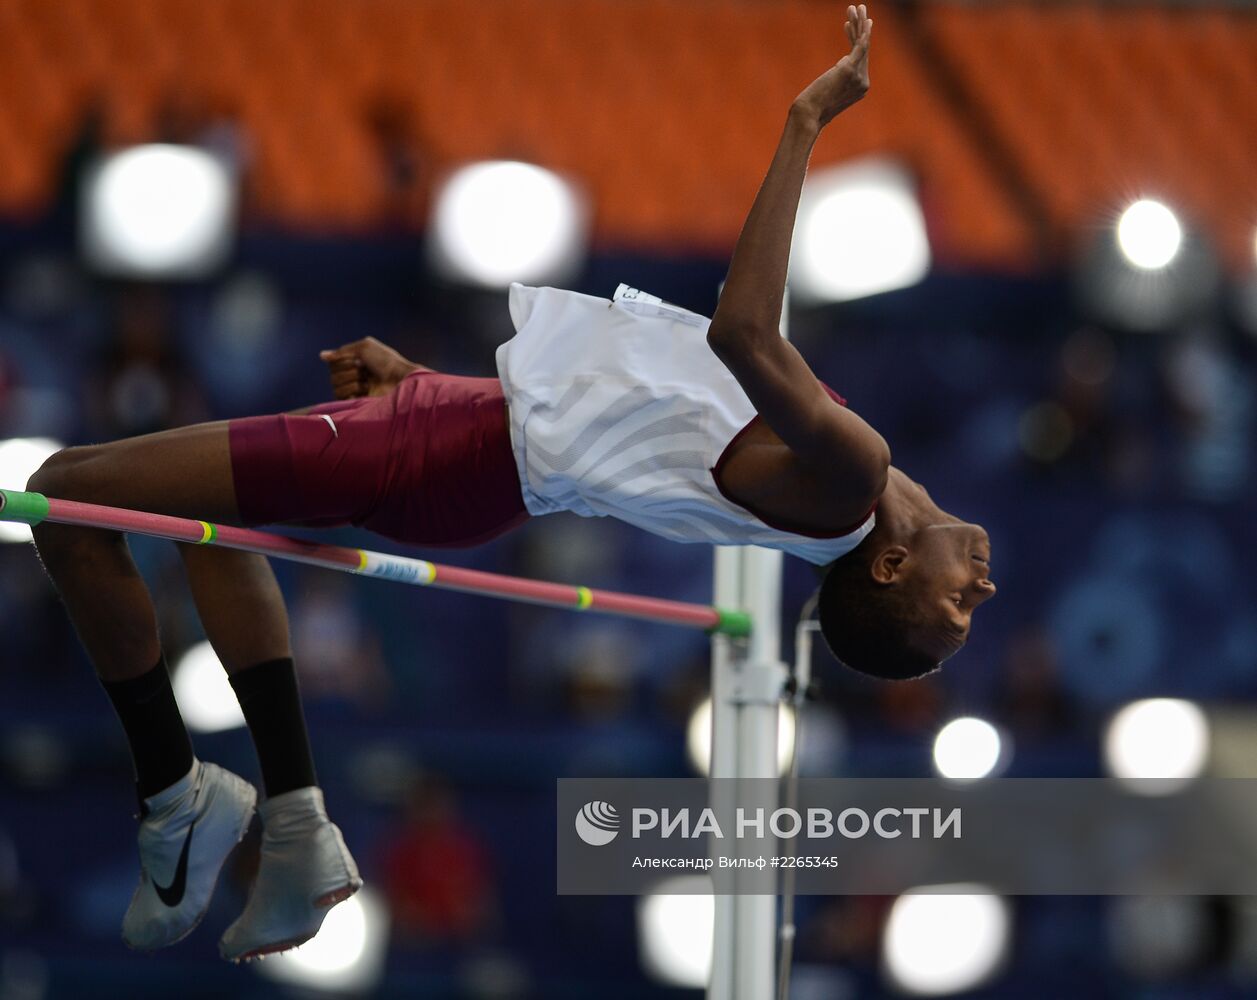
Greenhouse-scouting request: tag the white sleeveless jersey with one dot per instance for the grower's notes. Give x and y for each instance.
(619, 408)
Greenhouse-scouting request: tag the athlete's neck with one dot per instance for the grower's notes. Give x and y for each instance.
(905, 508)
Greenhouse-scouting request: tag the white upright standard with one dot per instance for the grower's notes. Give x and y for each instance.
(748, 678)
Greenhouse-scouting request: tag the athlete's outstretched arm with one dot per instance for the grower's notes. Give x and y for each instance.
(834, 443)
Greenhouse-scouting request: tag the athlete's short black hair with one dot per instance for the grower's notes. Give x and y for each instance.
(870, 626)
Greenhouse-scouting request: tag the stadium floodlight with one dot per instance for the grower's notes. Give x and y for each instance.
(158, 211)
(19, 458)
(1146, 270)
(1149, 234)
(205, 696)
(698, 738)
(502, 220)
(346, 956)
(967, 749)
(860, 231)
(945, 939)
(1155, 746)
(675, 928)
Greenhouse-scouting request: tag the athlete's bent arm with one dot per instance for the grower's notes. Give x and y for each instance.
(366, 367)
(830, 441)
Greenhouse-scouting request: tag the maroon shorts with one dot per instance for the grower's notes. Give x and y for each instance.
(430, 463)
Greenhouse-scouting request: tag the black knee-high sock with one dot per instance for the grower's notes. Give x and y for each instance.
(271, 704)
(160, 746)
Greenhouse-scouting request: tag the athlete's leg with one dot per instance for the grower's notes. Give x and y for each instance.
(112, 611)
(186, 472)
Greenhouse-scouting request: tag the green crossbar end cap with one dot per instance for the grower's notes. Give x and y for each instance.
(29, 508)
(733, 623)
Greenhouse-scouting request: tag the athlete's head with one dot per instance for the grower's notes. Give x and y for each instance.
(897, 611)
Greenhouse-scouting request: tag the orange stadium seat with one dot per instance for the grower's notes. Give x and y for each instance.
(666, 112)
(1099, 105)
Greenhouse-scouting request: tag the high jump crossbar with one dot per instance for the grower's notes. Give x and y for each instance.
(35, 508)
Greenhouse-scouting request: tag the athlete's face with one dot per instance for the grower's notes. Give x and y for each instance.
(948, 570)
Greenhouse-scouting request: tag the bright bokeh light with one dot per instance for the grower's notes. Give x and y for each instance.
(945, 939)
(19, 458)
(967, 749)
(503, 221)
(347, 954)
(205, 695)
(1157, 745)
(698, 738)
(674, 932)
(159, 211)
(1149, 234)
(860, 231)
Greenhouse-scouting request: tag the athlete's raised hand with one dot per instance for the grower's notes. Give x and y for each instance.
(846, 81)
(366, 367)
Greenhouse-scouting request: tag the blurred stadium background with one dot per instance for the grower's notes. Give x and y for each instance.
(196, 197)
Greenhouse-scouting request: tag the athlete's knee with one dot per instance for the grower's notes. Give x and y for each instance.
(64, 474)
(53, 473)
(89, 474)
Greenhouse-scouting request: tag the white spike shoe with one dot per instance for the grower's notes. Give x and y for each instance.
(305, 870)
(186, 834)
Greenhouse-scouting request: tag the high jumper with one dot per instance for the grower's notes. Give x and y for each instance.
(712, 431)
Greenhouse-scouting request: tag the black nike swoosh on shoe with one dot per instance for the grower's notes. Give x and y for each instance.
(172, 895)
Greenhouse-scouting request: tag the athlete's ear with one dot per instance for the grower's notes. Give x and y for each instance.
(888, 564)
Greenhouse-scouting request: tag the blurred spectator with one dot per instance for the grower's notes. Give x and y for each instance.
(10, 880)
(403, 163)
(85, 145)
(140, 385)
(598, 672)
(436, 871)
(38, 385)
(912, 706)
(8, 382)
(239, 346)
(1213, 399)
(847, 929)
(337, 655)
(191, 119)
(1031, 698)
